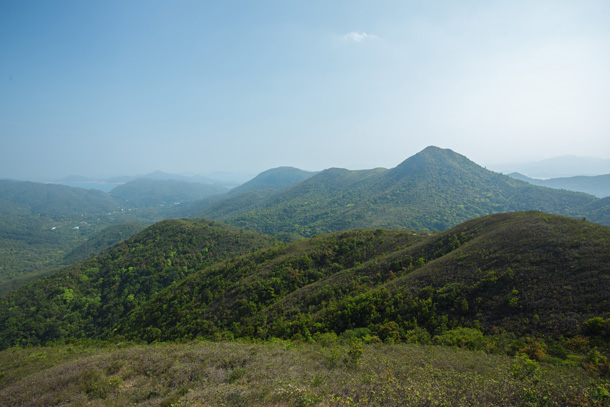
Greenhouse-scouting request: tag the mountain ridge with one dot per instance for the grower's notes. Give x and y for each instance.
(432, 190)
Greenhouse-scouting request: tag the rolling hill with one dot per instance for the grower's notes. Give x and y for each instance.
(46, 226)
(85, 299)
(144, 192)
(524, 273)
(275, 178)
(31, 198)
(528, 273)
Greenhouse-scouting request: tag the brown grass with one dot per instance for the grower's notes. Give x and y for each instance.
(285, 374)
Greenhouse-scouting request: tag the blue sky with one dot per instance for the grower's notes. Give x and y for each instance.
(125, 87)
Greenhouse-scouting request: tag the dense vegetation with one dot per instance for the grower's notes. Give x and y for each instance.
(46, 226)
(103, 241)
(523, 273)
(433, 190)
(489, 283)
(40, 223)
(531, 290)
(86, 299)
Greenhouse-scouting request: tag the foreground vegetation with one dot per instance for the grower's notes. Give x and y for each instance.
(290, 374)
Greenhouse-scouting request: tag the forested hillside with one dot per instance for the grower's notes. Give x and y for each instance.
(528, 273)
(46, 226)
(433, 190)
(41, 223)
(525, 273)
(275, 178)
(86, 299)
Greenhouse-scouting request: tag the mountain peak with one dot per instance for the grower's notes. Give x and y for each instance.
(434, 158)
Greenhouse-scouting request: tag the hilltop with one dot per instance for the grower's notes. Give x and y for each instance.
(275, 178)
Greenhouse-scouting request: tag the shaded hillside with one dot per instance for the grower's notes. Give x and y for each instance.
(597, 185)
(530, 273)
(103, 241)
(433, 190)
(85, 299)
(34, 246)
(275, 178)
(40, 224)
(146, 192)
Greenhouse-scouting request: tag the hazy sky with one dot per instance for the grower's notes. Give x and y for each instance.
(126, 87)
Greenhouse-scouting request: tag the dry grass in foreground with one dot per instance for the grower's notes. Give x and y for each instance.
(287, 374)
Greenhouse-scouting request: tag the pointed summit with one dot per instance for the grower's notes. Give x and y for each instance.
(435, 159)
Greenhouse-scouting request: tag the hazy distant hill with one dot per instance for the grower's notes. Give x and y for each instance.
(433, 190)
(31, 198)
(558, 167)
(275, 178)
(146, 192)
(597, 185)
(164, 176)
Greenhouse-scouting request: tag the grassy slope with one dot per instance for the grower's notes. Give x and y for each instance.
(285, 374)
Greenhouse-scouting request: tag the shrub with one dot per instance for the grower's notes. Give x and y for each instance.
(535, 350)
(354, 354)
(595, 326)
(469, 338)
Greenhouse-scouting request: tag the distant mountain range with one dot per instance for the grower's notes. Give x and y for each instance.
(558, 167)
(597, 185)
(146, 192)
(432, 190)
(106, 184)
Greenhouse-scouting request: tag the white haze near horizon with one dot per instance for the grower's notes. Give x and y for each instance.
(121, 88)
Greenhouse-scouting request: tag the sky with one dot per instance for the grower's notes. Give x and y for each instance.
(106, 88)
